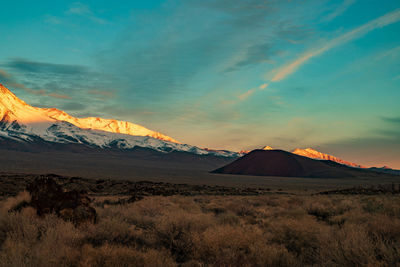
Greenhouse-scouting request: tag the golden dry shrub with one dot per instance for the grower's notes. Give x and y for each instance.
(175, 231)
(225, 245)
(274, 230)
(13, 202)
(122, 256)
(302, 237)
(349, 246)
(108, 230)
(34, 241)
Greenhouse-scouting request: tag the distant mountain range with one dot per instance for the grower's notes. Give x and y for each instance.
(22, 122)
(270, 162)
(27, 128)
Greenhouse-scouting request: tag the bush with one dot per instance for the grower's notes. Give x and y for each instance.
(273, 230)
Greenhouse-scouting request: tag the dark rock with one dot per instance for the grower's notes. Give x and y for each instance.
(20, 206)
(134, 198)
(48, 197)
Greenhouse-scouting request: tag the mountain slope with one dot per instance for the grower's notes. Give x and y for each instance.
(107, 125)
(22, 122)
(12, 108)
(285, 164)
(314, 154)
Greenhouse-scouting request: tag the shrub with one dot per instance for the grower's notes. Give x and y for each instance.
(273, 230)
(121, 256)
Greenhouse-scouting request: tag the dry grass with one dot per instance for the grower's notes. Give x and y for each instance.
(273, 230)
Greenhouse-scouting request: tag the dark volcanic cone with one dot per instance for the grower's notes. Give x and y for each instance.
(286, 164)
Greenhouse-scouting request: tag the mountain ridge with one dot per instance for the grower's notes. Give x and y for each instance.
(314, 154)
(94, 123)
(20, 121)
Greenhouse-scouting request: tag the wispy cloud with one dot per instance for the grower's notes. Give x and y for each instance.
(102, 94)
(358, 32)
(9, 80)
(391, 53)
(57, 81)
(83, 10)
(395, 120)
(339, 10)
(52, 19)
(246, 94)
(179, 46)
(60, 96)
(44, 67)
(286, 70)
(4, 75)
(259, 53)
(79, 8)
(293, 66)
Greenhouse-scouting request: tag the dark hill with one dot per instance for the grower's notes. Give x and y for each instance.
(286, 164)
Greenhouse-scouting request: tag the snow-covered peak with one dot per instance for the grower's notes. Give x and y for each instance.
(22, 122)
(314, 154)
(268, 148)
(4, 90)
(14, 109)
(108, 125)
(8, 98)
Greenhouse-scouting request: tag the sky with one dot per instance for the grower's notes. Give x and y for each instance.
(223, 74)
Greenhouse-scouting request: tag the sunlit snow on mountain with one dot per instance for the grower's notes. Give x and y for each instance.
(20, 121)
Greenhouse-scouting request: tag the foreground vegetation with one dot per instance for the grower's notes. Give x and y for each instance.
(268, 230)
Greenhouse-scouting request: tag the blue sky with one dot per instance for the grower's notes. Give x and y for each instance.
(223, 74)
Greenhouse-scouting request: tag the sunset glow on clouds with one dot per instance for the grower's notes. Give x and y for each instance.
(228, 74)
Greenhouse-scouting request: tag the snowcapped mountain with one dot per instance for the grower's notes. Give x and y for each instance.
(22, 122)
(264, 148)
(268, 148)
(314, 154)
(106, 125)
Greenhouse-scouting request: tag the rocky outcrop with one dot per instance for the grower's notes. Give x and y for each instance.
(49, 197)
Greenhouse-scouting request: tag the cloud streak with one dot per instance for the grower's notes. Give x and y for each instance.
(339, 10)
(246, 94)
(83, 10)
(7, 78)
(356, 33)
(59, 82)
(164, 59)
(43, 67)
(395, 120)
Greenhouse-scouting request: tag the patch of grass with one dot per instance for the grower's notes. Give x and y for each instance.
(268, 230)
